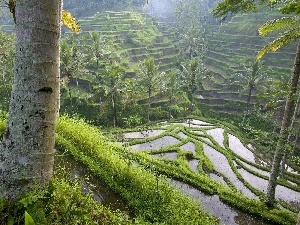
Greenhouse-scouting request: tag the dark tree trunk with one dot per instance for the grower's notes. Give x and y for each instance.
(249, 97)
(170, 104)
(149, 103)
(290, 136)
(288, 112)
(114, 110)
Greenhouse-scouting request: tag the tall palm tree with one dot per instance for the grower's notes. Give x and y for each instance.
(71, 62)
(191, 75)
(148, 78)
(98, 47)
(113, 82)
(291, 135)
(291, 28)
(252, 76)
(171, 87)
(291, 31)
(27, 147)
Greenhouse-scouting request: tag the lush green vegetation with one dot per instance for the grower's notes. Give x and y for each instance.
(138, 178)
(98, 68)
(180, 170)
(61, 203)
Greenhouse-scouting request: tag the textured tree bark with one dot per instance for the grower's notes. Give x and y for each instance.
(286, 122)
(149, 102)
(27, 148)
(290, 136)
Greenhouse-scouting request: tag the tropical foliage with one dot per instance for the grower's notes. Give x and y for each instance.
(149, 80)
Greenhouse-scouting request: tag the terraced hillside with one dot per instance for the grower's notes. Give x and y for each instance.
(230, 45)
(207, 161)
(132, 37)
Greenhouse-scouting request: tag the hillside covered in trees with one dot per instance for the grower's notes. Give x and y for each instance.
(166, 114)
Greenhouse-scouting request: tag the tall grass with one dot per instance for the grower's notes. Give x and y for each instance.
(162, 205)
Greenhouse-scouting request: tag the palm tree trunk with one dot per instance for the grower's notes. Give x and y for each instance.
(249, 97)
(286, 121)
(27, 148)
(114, 109)
(290, 136)
(295, 144)
(170, 103)
(149, 103)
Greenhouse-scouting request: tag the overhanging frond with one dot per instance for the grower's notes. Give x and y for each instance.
(284, 23)
(287, 37)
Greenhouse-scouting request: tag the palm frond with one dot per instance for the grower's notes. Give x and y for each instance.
(287, 37)
(290, 7)
(284, 23)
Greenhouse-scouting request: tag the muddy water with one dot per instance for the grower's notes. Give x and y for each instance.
(226, 214)
(285, 194)
(198, 122)
(143, 134)
(217, 178)
(190, 147)
(221, 164)
(217, 134)
(194, 165)
(262, 172)
(182, 135)
(237, 147)
(156, 144)
(166, 155)
(92, 184)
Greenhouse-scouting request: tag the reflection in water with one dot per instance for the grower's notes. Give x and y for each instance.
(222, 166)
(183, 135)
(218, 135)
(283, 193)
(190, 146)
(166, 155)
(238, 148)
(217, 178)
(92, 184)
(194, 165)
(226, 214)
(143, 134)
(156, 144)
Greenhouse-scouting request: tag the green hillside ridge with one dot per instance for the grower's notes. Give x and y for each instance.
(237, 41)
(134, 36)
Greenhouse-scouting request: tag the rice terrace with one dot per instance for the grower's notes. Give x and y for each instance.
(163, 112)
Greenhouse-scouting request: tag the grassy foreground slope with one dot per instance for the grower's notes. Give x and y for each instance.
(63, 203)
(163, 205)
(151, 199)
